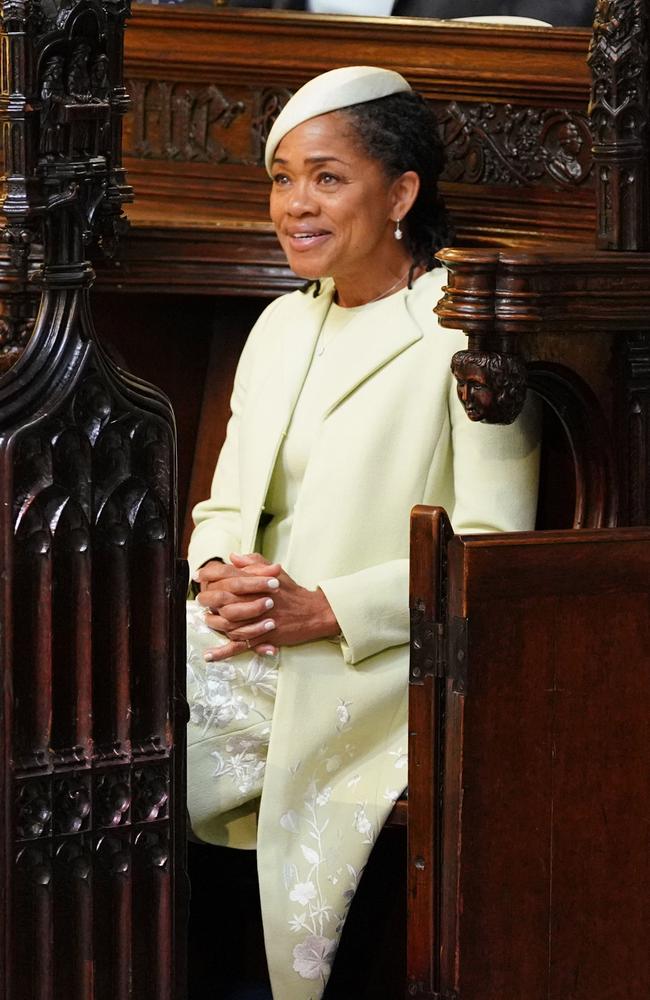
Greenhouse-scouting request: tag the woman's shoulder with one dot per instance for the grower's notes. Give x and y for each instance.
(421, 301)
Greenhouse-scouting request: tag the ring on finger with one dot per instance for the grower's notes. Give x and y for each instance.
(248, 643)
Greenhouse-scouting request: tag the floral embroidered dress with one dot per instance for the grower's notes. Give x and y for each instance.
(306, 748)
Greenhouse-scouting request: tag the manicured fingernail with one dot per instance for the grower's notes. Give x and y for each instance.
(195, 577)
(208, 656)
(269, 624)
(269, 652)
(273, 584)
(269, 603)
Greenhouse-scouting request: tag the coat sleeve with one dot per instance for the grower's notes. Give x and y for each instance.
(495, 477)
(217, 520)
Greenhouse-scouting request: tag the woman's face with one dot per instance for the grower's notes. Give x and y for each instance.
(332, 206)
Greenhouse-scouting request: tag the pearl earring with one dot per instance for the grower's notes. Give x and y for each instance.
(398, 232)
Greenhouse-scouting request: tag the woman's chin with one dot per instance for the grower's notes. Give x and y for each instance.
(303, 270)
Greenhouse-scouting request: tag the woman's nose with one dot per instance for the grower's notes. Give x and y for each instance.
(301, 200)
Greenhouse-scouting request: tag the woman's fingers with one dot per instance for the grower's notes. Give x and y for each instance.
(245, 612)
(240, 559)
(252, 630)
(236, 587)
(212, 571)
(215, 599)
(233, 648)
(229, 616)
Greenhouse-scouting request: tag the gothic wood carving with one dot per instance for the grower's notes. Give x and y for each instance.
(91, 720)
(619, 108)
(485, 143)
(505, 144)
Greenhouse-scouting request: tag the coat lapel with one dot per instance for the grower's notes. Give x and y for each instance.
(277, 397)
(378, 335)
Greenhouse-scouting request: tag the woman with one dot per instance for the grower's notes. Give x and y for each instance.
(344, 416)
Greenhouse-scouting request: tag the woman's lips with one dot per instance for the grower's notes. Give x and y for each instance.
(300, 242)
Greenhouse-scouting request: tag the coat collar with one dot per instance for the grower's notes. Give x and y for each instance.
(380, 334)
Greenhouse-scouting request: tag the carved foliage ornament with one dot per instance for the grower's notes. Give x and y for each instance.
(504, 144)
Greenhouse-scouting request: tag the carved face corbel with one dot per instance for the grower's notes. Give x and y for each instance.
(491, 386)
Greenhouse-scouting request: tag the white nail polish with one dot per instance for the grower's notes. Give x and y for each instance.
(273, 584)
(269, 652)
(269, 603)
(269, 625)
(207, 657)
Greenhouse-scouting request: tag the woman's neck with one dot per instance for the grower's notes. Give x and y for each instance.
(349, 294)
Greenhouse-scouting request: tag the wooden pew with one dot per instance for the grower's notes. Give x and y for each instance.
(529, 870)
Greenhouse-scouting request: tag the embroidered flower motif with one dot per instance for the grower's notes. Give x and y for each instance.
(310, 855)
(401, 758)
(332, 764)
(297, 923)
(261, 678)
(221, 693)
(363, 825)
(243, 762)
(289, 821)
(343, 717)
(312, 958)
(303, 893)
(323, 867)
(323, 797)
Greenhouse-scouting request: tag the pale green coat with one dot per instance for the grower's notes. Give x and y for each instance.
(393, 435)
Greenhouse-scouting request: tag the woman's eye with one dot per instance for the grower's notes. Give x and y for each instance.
(326, 178)
(280, 179)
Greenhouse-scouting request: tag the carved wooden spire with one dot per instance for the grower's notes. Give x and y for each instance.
(619, 110)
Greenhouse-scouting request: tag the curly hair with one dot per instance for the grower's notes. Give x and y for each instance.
(401, 132)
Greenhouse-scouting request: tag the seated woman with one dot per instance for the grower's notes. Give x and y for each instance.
(344, 415)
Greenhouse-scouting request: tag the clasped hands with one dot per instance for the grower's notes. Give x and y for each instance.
(258, 606)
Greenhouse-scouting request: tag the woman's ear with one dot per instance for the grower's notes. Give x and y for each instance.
(404, 192)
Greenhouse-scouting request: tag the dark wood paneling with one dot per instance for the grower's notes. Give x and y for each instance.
(547, 804)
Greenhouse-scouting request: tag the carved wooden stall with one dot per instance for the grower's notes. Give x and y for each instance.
(92, 846)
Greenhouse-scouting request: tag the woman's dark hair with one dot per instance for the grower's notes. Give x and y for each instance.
(401, 132)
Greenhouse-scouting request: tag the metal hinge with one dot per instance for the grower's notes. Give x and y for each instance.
(424, 993)
(454, 653)
(439, 649)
